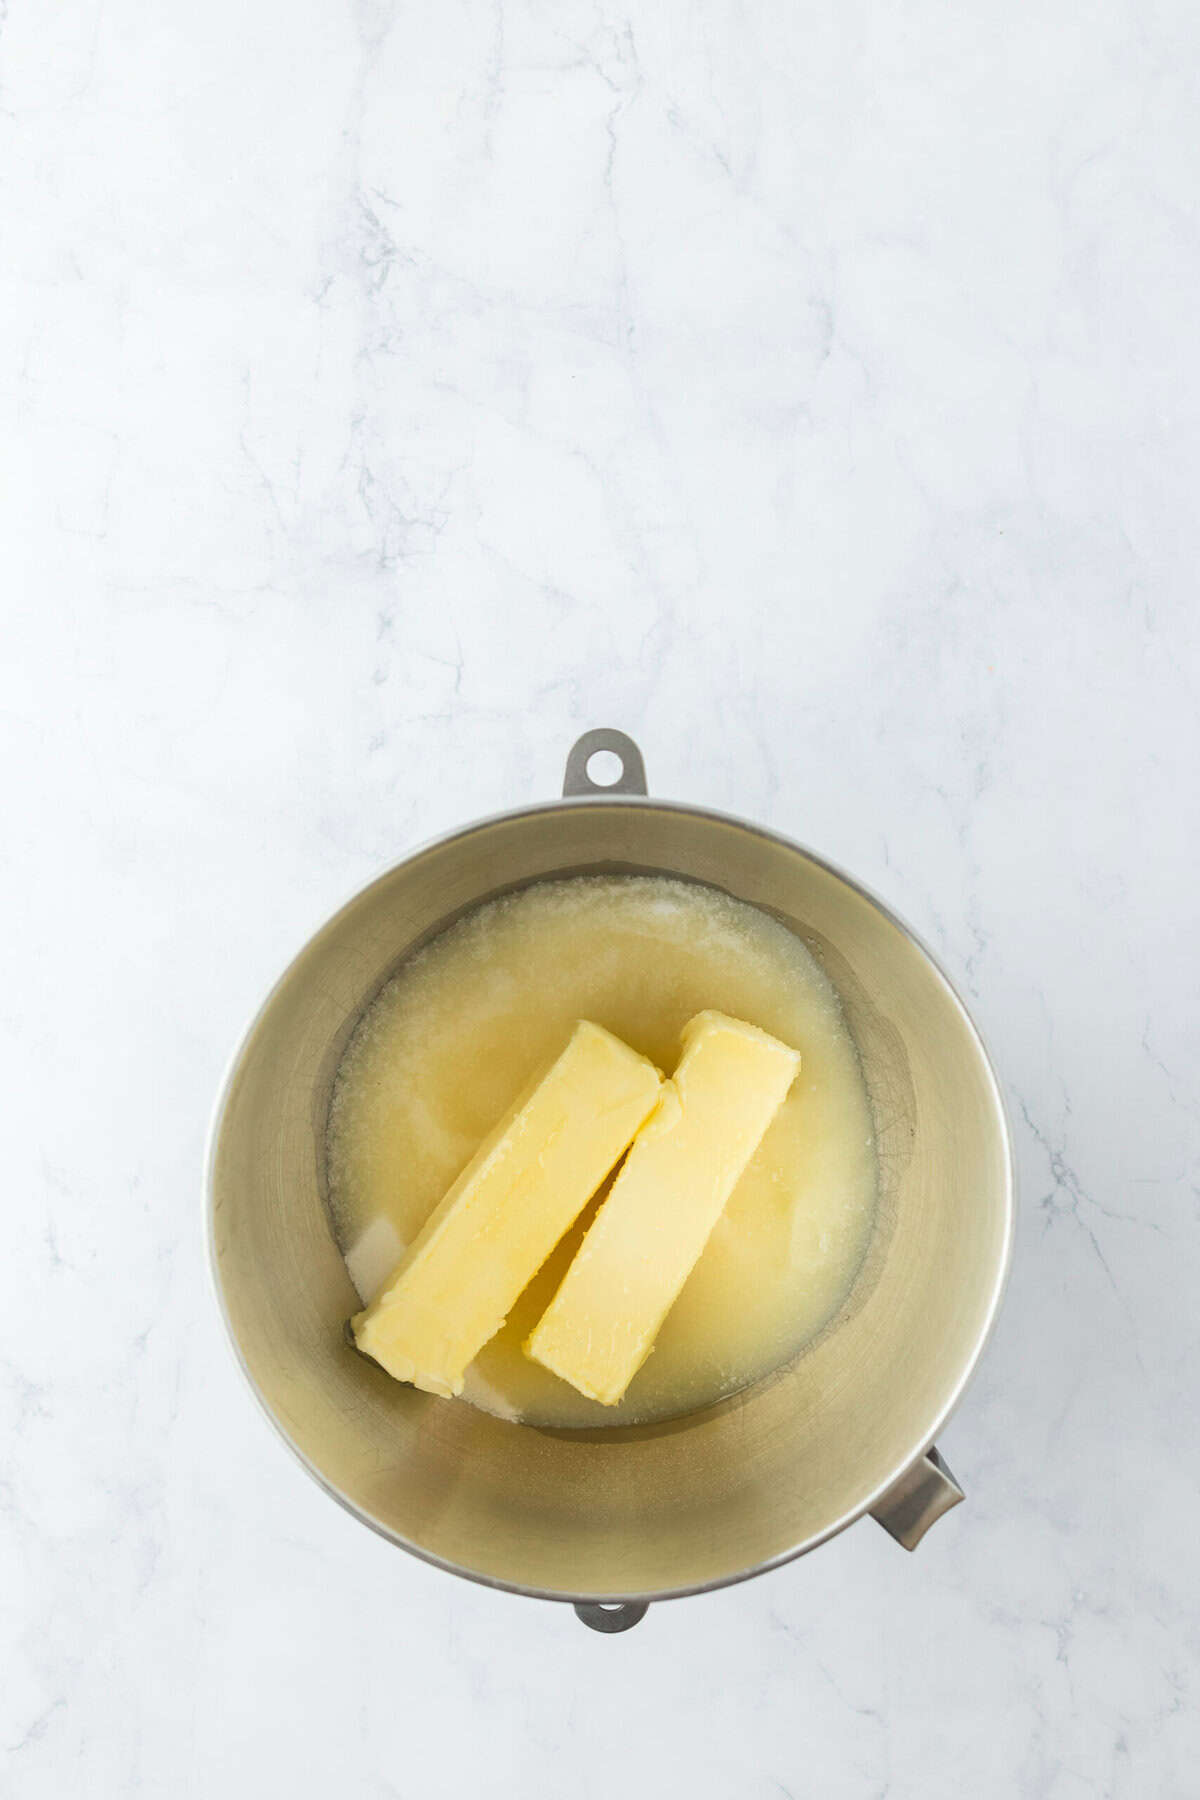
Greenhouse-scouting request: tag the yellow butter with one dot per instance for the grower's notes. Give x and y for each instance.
(648, 1235)
(524, 1187)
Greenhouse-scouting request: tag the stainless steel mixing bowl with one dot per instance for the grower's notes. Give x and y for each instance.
(614, 1519)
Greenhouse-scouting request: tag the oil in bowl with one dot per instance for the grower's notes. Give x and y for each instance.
(468, 1020)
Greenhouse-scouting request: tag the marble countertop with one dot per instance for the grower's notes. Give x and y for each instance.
(390, 393)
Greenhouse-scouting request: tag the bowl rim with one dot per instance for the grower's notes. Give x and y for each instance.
(624, 802)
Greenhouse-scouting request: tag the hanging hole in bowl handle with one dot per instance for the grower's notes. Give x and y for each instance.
(599, 747)
(611, 1615)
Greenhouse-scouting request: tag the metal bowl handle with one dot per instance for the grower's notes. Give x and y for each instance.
(631, 780)
(611, 1615)
(923, 1493)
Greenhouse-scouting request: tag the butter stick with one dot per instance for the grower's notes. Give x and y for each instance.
(648, 1235)
(524, 1187)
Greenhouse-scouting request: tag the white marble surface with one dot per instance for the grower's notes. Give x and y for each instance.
(390, 392)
